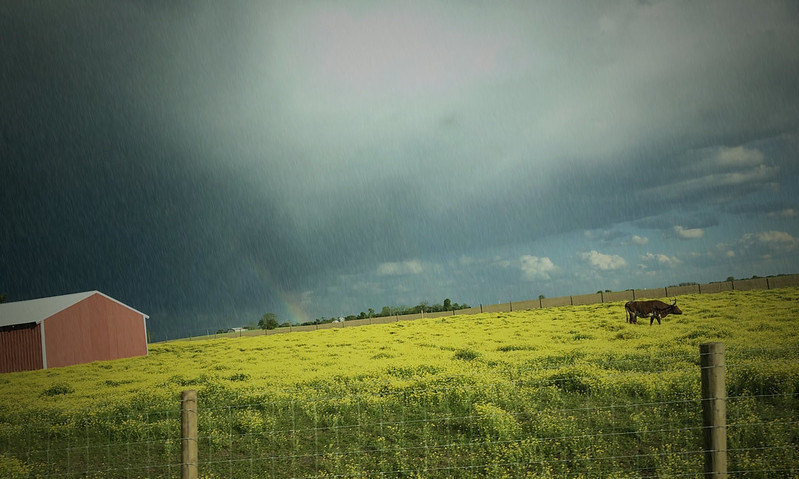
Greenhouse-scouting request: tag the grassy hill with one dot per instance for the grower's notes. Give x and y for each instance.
(570, 390)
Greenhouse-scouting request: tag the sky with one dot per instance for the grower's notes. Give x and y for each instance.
(208, 162)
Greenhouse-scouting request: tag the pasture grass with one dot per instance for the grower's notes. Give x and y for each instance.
(560, 391)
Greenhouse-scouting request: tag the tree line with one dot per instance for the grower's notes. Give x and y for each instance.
(270, 320)
(423, 307)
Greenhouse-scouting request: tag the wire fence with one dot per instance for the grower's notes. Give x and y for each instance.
(570, 419)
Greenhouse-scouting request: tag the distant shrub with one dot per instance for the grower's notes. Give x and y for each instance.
(466, 354)
(58, 389)
(516, 347)
(574, 379)
(580, 336)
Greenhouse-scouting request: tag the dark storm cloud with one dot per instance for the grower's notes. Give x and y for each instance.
(194, 156)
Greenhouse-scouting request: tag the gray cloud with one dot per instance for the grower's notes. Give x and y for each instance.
(232, 157)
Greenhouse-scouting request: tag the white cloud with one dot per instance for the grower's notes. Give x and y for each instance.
(640, 240)
(738, 157)
(534, 267)
(604, 261)
(465, 260)
(777, 241)
(662, 259)
(689, 233)
(764, 245)
(786, 213)
(400, 268)
(500, 262)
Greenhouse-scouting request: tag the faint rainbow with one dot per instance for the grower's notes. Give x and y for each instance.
(290, 302)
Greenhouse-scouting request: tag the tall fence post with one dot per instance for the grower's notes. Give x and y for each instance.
(188, 433)
(714, 409)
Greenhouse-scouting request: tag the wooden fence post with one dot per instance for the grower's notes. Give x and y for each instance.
(714, 409)
(188, 433)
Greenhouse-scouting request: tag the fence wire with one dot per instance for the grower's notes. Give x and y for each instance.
(565, 419)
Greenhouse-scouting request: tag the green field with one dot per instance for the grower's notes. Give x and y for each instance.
(571, 391)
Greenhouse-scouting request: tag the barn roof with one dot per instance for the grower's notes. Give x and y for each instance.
(37, 310)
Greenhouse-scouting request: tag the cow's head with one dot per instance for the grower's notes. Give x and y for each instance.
(674, 308)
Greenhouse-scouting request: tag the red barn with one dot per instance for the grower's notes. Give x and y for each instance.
(69, 329)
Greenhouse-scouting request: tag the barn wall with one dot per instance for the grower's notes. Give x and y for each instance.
(20, 348)
(95, 329)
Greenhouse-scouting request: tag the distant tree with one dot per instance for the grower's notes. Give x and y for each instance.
(447, 304)
(371, 313)
(541, 296)
(730, 278)
(268, 321)
(3, 297)
(386, 311)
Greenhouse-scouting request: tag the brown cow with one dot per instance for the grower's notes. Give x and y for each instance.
(653, 309)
